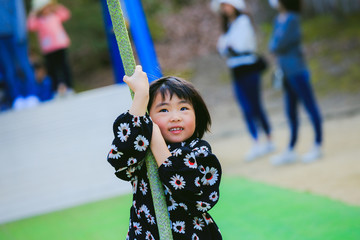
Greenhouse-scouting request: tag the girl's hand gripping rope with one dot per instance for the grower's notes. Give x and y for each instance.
(139, 84)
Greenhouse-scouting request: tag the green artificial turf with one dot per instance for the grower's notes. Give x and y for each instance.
(246, 210)
(250, 210)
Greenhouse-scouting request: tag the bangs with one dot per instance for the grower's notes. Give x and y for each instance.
(174, 86)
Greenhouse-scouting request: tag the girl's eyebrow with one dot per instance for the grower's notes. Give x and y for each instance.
(184, 101)
(166, 103)
(161, 104)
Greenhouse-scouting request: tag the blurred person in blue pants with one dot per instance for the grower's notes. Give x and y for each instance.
(285, 44)
(14, 60)
(238, 45)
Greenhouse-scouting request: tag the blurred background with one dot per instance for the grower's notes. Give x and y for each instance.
(185, 30)
(54, 156)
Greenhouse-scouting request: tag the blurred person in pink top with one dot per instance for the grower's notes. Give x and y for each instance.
(46, 18)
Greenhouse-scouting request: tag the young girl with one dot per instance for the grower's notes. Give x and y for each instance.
(238, 45)
(46, 19)
(286, 45)
(189, 171)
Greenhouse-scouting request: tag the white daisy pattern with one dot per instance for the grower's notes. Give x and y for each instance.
(143, 187)
(198, 223)
(150, 219)
(146, 120)
(167, 163)
(195, 237)
(197, 181)
(134, 185)
(194, 142)
(190, 178)
(179, 227)
(124, 132)
(114, 153)
(190, 161)
(136, 121)
(203, 206)
(141, 143)
(208, 219)
(144, 209)
(173, 205)
(202, 169)
(149, 236)
(210, 176)
(183, 205)
(131, 161)
(137, 227)
(202, 151)
(214, 196)
(177, 152)
(178, 182)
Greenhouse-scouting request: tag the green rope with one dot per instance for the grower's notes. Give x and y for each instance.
(127, 57)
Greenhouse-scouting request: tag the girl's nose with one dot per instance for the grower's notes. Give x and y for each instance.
(175, 117)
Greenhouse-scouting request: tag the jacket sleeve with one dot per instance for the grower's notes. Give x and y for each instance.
(132, 135)
(285, 36)
(192, 177)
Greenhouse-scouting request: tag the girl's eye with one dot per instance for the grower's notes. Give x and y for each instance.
(184, 108)
(163, 110)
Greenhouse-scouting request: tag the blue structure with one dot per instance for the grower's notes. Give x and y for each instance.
(141, 36)
(118, 68)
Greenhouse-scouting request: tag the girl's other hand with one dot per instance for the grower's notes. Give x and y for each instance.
(138, 82)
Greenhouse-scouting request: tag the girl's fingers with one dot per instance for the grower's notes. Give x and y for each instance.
(138, 67)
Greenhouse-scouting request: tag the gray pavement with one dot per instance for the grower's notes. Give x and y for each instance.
(54, 156)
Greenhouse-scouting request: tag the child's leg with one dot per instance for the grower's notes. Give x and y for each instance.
(241, 89)
(50, 64)
(65, 68)
(302, 86)
(291, 109)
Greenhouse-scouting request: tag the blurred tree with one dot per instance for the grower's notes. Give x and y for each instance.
(335, 7)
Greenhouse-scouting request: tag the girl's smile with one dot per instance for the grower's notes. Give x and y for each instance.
(174, 116)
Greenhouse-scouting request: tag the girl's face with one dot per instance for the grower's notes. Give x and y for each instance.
(175, 117)
(228, 9)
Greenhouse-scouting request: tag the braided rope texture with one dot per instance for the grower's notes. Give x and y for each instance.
(127, 57)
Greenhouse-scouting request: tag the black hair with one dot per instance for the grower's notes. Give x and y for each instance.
(183, 90)
(291, 5)
(225, 21)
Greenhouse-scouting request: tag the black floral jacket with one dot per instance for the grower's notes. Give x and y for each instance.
(191, 179)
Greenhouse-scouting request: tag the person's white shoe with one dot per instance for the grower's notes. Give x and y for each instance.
(32, 101)
(286, 157)
(268, 147)
(19, 104)
(256, 151)
(313, 155)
